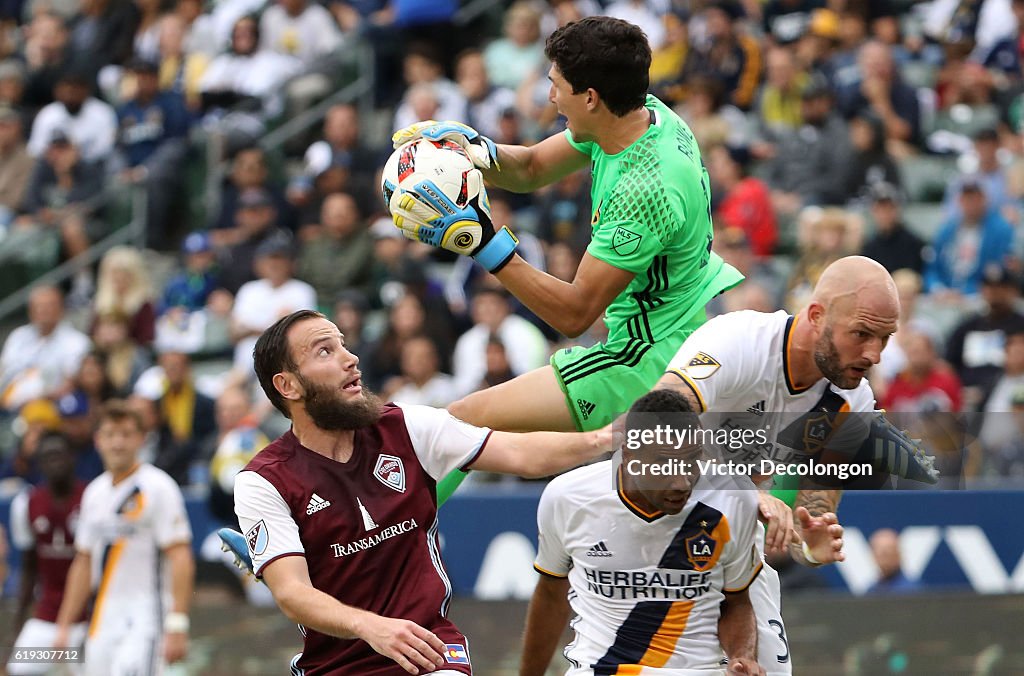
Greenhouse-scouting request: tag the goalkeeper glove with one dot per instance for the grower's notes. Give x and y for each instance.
(427, 214)
(481, 150)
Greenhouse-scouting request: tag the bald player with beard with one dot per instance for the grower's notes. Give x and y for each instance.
(779, 367)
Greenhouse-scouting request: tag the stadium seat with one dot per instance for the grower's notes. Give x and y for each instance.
(925, 177)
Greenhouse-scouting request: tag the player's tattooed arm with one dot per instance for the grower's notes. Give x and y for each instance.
(821, 536)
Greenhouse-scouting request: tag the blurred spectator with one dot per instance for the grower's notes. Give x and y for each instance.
(124, 288)
(342, 145)
(77, 420)
(498, 368)
(727, 55)
(871, 163)
(893, 245)
(880, 91)
(422, 66)
(246, 80)
(486, 102)
(43, 521)
(977, 346)
(103, 33)
(927, 384)
(990, 173)
(894, 354)
(151, 145)
(126, 360)
(35, 419)
(341, 256)
(778, 105)
(181, 67)
(88, 122)
(261, 302)
(510, 58)
(248, 174)
(392, 262)
(817, 46)
(189, 413)
(644, 13)
(668, 62)
(299, 28)
(159, 447)
(90, 381)
(712, 120)
(190, 288)
(966, 244)
(420, 381)
(885, 548)
(810, 163)
(999, 427)
(492, 316)
(146, 42)
(734, 247)
(1006, 460)
(237, 440)
(40, 357)
(825, 236)
(12, 90)
(58, 200)
(349, 315)
(255, 222)
(784, 21)
(15, 164)
(407, 319)
(743, 201)
(564, 212)
(46, 56)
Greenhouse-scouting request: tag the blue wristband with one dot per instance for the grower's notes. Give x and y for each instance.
(499, 251)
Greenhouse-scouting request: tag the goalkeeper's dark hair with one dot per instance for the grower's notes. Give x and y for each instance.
(273, 354)
(610, 55)
(662, 407)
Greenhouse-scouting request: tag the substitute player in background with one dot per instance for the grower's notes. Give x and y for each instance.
(43, 521)
(649, 268)
(133, 528)
(340, 512)
(776, 364)
(656, 569)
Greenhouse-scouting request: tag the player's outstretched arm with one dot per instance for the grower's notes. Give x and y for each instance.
(526, 168)
(737, 632)
(414, 648)
(546, 619)
(568, 307)
(76, 593)
(535, 455)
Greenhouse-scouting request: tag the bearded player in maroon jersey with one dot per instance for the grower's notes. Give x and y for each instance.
(340, 512)
(43, 523)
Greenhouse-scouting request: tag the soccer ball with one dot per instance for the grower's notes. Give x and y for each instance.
(438, 166)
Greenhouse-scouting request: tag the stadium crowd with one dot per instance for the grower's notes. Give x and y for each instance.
(889, 128)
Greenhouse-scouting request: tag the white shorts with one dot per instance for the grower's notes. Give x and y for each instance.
(772, 642)
(38, 633)
(121, 647)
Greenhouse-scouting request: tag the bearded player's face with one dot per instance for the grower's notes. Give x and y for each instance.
(332, 389)
(852, 340)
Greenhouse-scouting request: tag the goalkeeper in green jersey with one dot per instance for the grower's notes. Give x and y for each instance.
(649, 268)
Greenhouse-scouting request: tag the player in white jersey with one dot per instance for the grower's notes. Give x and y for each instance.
(773, 365)
(655, 569)
(133, 531)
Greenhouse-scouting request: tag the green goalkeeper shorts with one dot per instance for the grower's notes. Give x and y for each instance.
(601, 382)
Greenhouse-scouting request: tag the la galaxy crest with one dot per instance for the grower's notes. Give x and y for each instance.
(701, 550)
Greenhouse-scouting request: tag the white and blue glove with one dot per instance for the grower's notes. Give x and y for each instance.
(481, 150)
(426, 214)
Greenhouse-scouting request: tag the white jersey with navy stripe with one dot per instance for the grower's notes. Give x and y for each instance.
(646, 588)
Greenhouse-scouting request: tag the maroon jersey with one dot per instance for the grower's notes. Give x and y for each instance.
(367, 527)
(46, 525)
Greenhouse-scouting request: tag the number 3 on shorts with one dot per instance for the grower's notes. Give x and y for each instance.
(781, 631)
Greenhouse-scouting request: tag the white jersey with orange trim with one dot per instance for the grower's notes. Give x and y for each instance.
(738, 363)
(646, 588)
(125, 527)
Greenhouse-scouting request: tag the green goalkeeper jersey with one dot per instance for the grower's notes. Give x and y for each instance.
(652, 217)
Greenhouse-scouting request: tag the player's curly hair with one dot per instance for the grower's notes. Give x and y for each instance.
(610, 55)
(661, 407)
(272, 355)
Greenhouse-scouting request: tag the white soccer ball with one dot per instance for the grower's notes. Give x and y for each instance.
(446, 166)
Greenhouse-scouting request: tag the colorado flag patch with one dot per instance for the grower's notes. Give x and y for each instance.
(455, 654)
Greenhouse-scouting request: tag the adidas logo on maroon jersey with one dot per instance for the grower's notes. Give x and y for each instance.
(316, 503)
